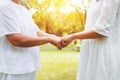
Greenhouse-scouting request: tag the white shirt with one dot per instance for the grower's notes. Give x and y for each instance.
(100, 58)
(14, 18)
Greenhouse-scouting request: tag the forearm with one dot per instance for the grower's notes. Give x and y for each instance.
(27, 41)
(41, 33)
(86, 35)
(33, 42)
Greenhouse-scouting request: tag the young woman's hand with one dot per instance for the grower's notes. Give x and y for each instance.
(66, 40)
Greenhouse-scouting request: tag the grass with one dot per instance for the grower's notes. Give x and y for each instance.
(58, 65)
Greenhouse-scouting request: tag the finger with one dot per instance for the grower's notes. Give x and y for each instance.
(64, 43)
(59, 46)
(56, 43)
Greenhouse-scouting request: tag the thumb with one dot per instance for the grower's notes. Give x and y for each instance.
(64, 42)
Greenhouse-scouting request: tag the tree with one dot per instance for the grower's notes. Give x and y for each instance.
(51, 19)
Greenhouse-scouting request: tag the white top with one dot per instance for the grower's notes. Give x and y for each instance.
(14, 18)
(99, 58)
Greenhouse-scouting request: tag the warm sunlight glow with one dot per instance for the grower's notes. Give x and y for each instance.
(68, 7)
(59, 17)
(76, 2)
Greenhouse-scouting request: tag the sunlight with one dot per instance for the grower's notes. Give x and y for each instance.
(76, 2)
(68, 8)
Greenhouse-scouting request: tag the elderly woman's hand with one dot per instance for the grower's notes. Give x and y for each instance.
(56, 41)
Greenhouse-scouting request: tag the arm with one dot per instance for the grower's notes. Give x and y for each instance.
(41, 33)
(86, 35)
(21, 40)
(55, 40)
(80, 35)
(102, 26)
(13, 33)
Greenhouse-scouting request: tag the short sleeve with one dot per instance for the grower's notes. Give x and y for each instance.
(9, 21)
(106, 18)
(36, 28)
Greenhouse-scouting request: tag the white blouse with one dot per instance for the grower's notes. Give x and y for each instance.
(99, 58)
(15, 18)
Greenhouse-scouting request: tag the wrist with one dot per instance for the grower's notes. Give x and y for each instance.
(73, 36)
(76, 36)
(50, 40)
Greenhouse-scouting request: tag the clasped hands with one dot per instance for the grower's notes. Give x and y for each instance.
(60, 42)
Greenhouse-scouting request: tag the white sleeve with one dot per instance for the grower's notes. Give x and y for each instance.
(9, 21)
(106, 18)
(36, 28)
